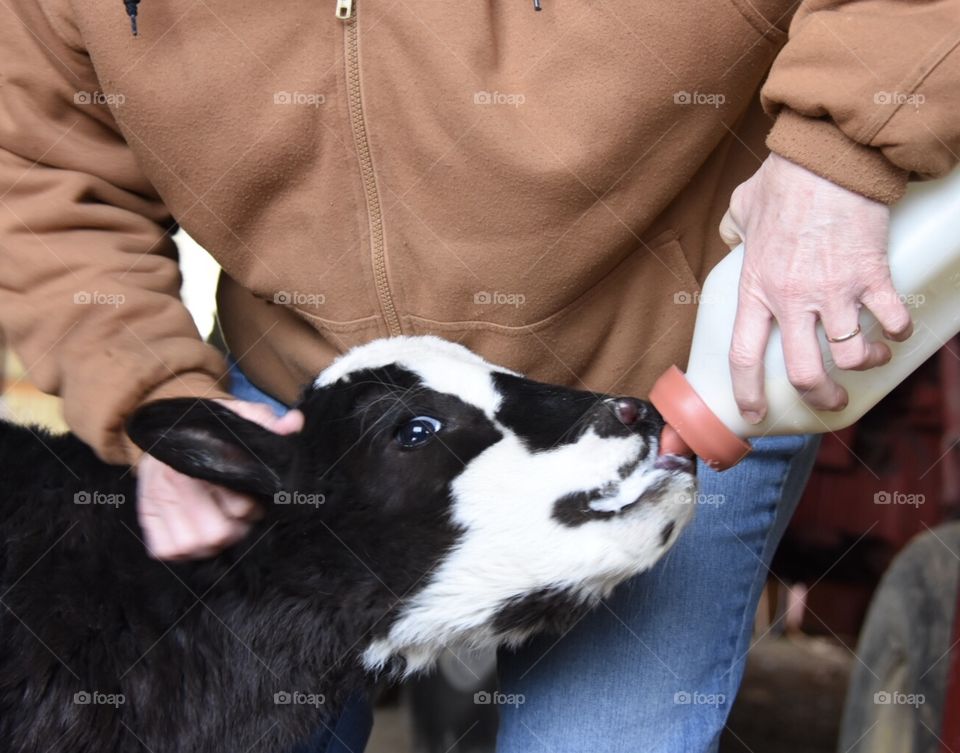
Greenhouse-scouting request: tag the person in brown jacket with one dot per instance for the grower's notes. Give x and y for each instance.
(543, 187)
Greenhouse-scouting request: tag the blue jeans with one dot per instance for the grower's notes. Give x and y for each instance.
(352, 729)
(656, 668)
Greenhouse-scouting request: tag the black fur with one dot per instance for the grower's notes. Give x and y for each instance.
(545, 416)
(667, 532)
(574, 509)
(198, 650)
(549, 609)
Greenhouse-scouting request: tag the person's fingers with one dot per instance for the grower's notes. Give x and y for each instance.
(730, 232)
(259, 413)
(235, 505)
(290, 422)
(751, 331)
(183, 517)
(157, 537)
(232, 504)
(890, 311)
(200, 525)
(858, 353)
(805, 370)
(170, 541)
(180, 515)
(190, 543)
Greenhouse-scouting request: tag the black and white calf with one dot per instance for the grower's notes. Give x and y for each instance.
(431, 500)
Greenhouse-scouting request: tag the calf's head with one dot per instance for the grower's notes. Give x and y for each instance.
(488, 506)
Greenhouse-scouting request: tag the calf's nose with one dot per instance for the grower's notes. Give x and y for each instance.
(629, 410)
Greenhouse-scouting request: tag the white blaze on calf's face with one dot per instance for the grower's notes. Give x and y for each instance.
(442, 366)
(512, 544)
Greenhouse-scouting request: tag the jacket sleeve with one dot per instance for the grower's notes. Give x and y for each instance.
(89, 279)
(866, 93)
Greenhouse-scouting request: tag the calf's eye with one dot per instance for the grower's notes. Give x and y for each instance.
(418, 431)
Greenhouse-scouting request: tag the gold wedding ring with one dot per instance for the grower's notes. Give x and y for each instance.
(844, 338)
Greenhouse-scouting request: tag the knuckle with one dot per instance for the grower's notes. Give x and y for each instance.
(749, 403)
(742, 359)
(898, 321)
(837, 284)
(830, 403)
(849, 360)
(788, 288)
(166, 551)
(186, 544)
(225, 534)
(804, 377)
(218, 538)
(875, 273)
(738, 201)
(837, 402)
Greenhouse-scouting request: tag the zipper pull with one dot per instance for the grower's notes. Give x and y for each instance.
(344, 9)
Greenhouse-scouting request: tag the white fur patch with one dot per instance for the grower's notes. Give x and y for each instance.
(442, 366)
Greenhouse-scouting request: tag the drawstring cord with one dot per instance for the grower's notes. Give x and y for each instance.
(131, 6)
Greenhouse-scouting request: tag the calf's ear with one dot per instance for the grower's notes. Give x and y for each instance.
(207, 440)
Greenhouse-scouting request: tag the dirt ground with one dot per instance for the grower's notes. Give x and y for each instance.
(791, 698)
(790, 702)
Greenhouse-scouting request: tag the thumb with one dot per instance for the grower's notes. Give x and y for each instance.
(730, 231)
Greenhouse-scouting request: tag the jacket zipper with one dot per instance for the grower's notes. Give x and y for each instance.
(346, 12)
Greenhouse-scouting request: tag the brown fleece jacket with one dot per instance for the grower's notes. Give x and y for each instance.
(543, 187)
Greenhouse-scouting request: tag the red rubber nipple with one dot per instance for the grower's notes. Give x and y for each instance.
(692, 426)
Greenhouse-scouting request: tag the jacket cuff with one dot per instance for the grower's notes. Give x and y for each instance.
(820, 146)
(197, 384)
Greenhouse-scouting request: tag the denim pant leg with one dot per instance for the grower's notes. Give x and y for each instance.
(656, 668)
(352, 729)
(243, 389)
